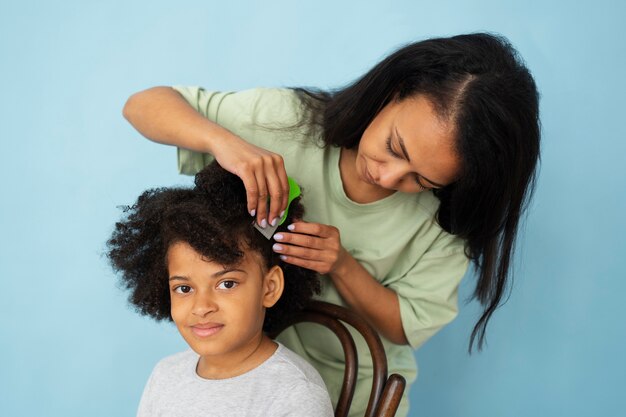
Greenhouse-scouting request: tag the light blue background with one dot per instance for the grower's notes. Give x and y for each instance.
(70, 345)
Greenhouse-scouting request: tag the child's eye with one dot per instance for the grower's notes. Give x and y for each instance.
(182, 289)
(227, 285)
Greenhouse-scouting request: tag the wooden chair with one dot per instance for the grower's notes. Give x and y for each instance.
(386, 391)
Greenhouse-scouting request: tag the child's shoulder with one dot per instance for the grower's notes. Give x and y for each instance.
(291, 358)
(294, 385)
(287, 362)
(177, 364)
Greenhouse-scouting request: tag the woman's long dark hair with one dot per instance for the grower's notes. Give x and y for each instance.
(480, 84)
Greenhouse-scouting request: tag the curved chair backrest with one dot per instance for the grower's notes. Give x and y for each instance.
(386, 392)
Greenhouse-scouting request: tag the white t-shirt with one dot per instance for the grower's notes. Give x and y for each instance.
(283, 385)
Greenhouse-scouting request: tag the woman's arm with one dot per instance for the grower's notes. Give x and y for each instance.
(318, 247)
(162, 115)
(374, 302)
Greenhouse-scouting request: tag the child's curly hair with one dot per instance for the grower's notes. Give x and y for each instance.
(213, 219)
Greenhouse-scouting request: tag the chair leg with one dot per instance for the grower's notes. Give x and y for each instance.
(391, 396)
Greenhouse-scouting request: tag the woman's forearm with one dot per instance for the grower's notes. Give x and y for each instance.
(162, 115)
(374, 302)
(318, 247)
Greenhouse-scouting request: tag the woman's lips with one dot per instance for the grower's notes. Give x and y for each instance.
(364, 173)
(206, 330)
(368, 176)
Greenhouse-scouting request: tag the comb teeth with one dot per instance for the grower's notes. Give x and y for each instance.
(268, 232)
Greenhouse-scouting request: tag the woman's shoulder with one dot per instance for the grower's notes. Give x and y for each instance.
(427, 232)
(259, 98)
(252, 101)
(273, 93)
(428, 203)
(275, 106)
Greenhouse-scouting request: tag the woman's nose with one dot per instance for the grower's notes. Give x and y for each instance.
(390, 176)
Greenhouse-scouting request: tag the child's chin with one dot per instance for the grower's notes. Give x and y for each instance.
(204, 350)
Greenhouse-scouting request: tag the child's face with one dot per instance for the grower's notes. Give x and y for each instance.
(219, 310)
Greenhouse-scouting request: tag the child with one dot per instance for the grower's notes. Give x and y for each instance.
(194, 257)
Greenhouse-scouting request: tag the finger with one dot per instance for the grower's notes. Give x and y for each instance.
(319, 267)
(301, 252)
(315, 229)
(252, 190)
(284, 183)
(276, 190)
(302, 240)
(261, 203)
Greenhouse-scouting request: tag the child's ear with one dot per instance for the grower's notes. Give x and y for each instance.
(273, 286)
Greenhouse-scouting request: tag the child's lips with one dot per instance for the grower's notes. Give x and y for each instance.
(206, 329)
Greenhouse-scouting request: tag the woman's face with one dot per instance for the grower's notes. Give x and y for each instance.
(408, 148)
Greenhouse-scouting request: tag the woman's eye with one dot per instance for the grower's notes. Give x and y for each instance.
(182, 289)
(227, 285)
(419, 183)
(390, 149)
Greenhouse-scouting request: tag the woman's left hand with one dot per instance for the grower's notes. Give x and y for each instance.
(318, 247)
(312, 245)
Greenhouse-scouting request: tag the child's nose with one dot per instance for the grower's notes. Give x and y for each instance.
(204, 306)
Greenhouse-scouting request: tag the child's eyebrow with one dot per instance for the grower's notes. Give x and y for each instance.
(226, 271)
(177, 278)
(215, 275)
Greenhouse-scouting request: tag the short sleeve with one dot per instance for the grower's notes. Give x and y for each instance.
(428, 293)
(207, 103)
(256, 115)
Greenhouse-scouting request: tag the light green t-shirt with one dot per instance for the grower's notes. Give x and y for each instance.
(397, 239)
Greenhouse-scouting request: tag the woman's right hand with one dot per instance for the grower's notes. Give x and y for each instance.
(263, 174)
(161, 114)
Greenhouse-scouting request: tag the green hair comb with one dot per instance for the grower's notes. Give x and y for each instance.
(294, 192)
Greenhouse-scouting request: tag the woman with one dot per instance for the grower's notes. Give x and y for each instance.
(425, 162)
